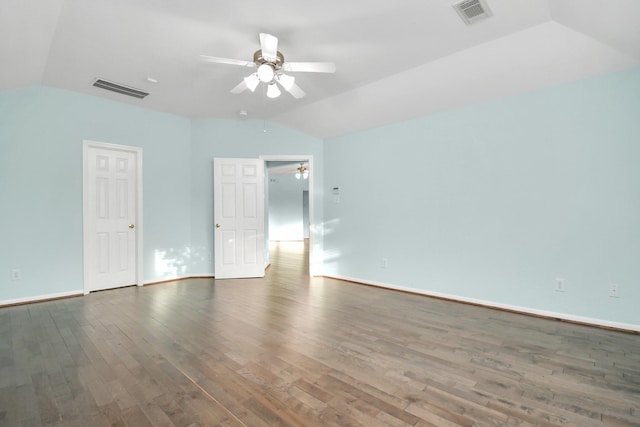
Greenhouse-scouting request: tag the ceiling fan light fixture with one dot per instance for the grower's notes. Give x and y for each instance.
(270, 66)
(286, 81)
(265, 73)
(252, 82)
(302, 172)
(273, 91)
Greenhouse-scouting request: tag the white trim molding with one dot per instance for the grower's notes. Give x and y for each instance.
(40, 298)
(314, 235)
(496, 305)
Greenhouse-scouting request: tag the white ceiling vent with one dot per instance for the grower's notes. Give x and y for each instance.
(472, 11)
(118, 88)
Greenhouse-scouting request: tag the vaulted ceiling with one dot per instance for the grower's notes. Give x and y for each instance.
(395, 60)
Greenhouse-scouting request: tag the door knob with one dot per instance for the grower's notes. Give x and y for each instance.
(131, 226)
(218, 225)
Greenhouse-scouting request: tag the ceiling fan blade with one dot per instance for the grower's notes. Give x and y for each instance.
(295, 91)
(218, 60)
(242, 86)
(269, 46)
(310, 67)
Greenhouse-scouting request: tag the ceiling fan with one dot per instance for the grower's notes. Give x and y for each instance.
(270, 69)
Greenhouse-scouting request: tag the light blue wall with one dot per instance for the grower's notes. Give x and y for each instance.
(490, 202)
(41, 134)
(494, 201)
(239, 138)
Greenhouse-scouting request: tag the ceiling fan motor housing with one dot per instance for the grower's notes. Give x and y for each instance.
(276, 62)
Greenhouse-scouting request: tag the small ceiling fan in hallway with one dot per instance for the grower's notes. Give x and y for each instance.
(270, 69)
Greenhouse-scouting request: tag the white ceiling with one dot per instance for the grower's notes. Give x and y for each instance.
(395, 60)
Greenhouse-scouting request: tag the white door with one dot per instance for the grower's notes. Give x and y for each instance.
(238, 206)
(110, 214)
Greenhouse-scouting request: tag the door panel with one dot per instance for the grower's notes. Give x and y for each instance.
(239, 217)
(110, 217)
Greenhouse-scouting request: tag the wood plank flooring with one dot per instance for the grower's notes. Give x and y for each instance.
(287, 350)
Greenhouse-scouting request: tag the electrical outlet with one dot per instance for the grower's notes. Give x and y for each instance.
(614, 291)
(16, 274)
(560, 284)
(384, 263)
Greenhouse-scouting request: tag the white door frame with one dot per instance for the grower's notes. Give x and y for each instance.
(300, 158)
(86, 238)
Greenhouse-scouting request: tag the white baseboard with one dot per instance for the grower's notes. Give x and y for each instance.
(173, 279)
(492, 304)
(39, 298)
(47, 297)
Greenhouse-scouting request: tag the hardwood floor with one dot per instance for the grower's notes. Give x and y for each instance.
(287, 350)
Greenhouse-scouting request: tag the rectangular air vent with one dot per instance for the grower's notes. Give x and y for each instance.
(472, 11)
(118, 88)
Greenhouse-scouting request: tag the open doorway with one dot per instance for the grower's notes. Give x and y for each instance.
(289, 208)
